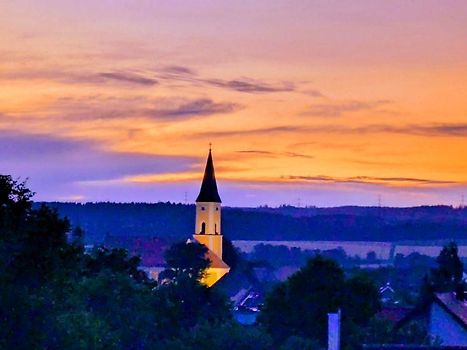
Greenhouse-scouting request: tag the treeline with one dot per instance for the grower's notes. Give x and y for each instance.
(285, 223)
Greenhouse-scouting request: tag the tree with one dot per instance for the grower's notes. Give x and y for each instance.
(186, 260)
(298, 343)
(220, 336)
(381, 331)
(448, 274)
(230, 254)
(446, 277)
(181, 296)
(299, 306)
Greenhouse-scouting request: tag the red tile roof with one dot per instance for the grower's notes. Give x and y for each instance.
(394, 314)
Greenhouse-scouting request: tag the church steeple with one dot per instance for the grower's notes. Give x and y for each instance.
(208, 224)
(208, 192)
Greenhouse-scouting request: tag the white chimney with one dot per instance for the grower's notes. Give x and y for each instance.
(334, 331)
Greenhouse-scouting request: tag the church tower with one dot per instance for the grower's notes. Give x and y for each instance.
(208, 223)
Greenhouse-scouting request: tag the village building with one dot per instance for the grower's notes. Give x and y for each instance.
(445, 318)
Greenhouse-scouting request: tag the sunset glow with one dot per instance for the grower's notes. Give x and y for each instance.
(331, 102)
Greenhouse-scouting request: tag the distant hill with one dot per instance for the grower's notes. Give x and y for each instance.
(170, 220)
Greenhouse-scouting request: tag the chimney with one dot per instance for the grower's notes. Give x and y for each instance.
(334, 330)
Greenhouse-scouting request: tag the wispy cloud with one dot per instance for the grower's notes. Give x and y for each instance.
(150, 77)
(246, 132)
(128, 77)
(178, 70)
(299, 155)
(250, 85)
(71, 160)
(454, 129)
(451, 129)
(68, 76)
(387, 181)
(190, 108)
(244, 84)
(338, 109)
(275, 154)
(110, 107)
(266, 153)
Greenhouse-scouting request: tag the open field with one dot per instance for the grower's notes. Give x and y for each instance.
(383, 250)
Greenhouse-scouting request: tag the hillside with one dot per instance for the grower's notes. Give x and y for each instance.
(284, 223)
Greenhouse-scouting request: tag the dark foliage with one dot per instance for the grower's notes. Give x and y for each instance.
(299, 306)
(53, 295)
(446, 276)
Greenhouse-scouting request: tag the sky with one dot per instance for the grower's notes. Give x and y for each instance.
(310, 103)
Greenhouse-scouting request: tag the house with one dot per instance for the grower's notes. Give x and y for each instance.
(448, 319)
(151, 250)
(445, 317)
(387, 293)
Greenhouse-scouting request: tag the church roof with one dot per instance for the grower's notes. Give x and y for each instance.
(208, 192)
(216, 262)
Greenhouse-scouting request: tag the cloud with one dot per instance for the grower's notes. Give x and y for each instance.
(337, 109)
(435, 129)
(177, 109)
(259, 131)
(274, 154)
(459, 129)
(250, 85)
(246, 85)
(441, 130)
(299, 155)
(178, 70)
(387, 181)
(49, 159)
(313, 93)
(173, 73)
(256, 152)
(109, 107)
(128, 77)
(80, 77)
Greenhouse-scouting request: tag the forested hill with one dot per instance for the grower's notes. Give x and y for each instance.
(284, 223)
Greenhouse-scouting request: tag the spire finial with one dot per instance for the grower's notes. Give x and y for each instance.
(210, 146)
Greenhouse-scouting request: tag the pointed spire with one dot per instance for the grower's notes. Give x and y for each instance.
(208, 192)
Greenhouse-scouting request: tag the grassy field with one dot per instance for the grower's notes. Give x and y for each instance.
(383, 250)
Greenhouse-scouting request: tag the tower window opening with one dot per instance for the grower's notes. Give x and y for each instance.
(217, 208)
(202, 208)
(203, 228)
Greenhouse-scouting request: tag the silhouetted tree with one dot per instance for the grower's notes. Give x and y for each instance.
(450, 268)
(446, 277)
(186, 260)
(299, 306)
(230, 254)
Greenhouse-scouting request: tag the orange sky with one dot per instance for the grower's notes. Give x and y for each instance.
(334, 102)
